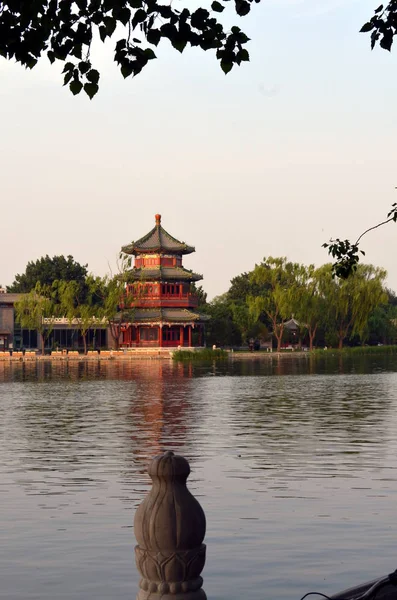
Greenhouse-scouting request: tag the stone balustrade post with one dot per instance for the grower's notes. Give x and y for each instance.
(169, 527)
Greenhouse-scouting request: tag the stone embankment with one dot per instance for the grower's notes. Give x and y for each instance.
(133, 354)
(90, 356)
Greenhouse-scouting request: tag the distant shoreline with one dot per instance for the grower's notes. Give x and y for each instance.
(320, 352)
(167, 354)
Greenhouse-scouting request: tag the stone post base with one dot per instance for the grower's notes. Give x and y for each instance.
(197, 595)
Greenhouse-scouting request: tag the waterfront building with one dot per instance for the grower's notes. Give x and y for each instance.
(7, 319)
(63, 333)
(160, 292)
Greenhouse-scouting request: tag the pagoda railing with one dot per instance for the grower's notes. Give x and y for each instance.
(171, 300)
(155, 344)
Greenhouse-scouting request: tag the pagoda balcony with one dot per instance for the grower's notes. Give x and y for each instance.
(167, 301)
(155, 344)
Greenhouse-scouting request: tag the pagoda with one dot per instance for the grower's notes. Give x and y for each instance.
(160, 292)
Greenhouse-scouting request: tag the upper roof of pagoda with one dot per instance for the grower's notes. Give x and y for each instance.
(158, 240)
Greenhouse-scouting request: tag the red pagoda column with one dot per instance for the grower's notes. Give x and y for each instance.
(161, 336)
(181, 335)
(138, 341)
(190, 336)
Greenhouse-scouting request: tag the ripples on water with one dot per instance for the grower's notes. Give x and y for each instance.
(294, 462)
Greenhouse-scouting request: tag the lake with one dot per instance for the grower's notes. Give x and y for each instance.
(294, 461)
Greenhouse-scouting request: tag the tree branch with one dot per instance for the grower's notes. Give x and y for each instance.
(347, 254)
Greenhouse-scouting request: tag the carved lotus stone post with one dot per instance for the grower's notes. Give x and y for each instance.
(170, 528)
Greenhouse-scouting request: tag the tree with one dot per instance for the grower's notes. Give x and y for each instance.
(309, 303)
(36, 310)
(114, 309)
(46, 271)
(382, 325)
(241, 286)
(63, 31)
(201, 295)
(280, 276)
(119, 299)
(222, 329)
(244, 319)
(351, 301)
(82, 312)
(347, 254)
(249, 324)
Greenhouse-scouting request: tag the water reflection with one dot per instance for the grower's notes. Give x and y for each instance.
(294, 460)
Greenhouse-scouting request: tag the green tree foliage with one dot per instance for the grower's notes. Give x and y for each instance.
(350, 302)
(281, 277)
(118, 301)
(46, 271)
(242, 286)
(262, 300)
(222, 329)
(63, 30)
(382, 324)
(36, 310)
(116, 306)
(201, 296)
(82, 312)
(309, 303)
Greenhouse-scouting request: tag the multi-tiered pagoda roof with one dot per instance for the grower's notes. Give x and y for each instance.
(158, 240)
(163, 301)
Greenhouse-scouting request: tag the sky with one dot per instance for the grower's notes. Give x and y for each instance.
(285, 152)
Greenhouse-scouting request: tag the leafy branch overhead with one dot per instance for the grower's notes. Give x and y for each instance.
(383, 25)
(63, 30)
(347, 254)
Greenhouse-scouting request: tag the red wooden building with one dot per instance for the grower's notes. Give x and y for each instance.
(160, 288)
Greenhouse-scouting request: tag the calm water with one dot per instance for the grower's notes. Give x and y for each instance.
(294, 463)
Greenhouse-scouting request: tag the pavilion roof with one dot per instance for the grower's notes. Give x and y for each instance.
(291, 324)
(157, 240)
(162, 274)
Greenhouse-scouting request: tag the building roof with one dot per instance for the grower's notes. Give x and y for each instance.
(292, 324)
(162, 274)
(9, 298)
(167, 315)
(157, 240)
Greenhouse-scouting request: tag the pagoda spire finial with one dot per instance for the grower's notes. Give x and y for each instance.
(158, 219)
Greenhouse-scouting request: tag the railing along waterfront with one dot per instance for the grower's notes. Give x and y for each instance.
(170, 527)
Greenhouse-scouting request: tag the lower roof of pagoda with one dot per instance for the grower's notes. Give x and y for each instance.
(175, 316)
(162, 274)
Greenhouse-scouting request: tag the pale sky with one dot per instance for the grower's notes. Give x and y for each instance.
(295, 147)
